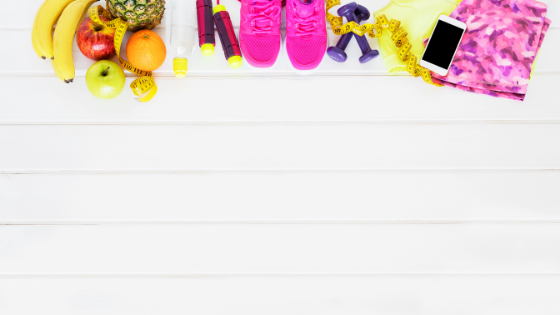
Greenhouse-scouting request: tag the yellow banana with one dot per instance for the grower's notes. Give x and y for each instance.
(40, 54)
(34, 35)
(57, 71)
(45, 19)
(64, 36)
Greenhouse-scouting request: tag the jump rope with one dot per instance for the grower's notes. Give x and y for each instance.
(207, 17)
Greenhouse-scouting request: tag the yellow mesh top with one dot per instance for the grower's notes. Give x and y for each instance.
(418, 17)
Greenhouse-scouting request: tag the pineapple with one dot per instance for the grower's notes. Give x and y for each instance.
(139, 14)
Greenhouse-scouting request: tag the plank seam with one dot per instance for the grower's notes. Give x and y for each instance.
(274, 222)
(248, 75)
(147, 172)
(281, 274)
(259, 123)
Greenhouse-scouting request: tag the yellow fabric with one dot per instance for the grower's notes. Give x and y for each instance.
(418, 17)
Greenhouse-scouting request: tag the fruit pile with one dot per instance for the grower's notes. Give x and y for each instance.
(105, 79)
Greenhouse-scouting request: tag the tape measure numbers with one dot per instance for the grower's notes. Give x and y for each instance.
(144, 87)
(398, 37)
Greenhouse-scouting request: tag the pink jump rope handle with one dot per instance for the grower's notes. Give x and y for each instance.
(227, 36)
(205, 22)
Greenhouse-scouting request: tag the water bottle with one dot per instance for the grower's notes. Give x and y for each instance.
(181, 34)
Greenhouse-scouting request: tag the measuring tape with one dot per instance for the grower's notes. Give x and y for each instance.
(375, 30)
(144, 87)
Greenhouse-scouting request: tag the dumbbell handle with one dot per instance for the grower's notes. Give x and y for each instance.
(362, 41)
(346, 38)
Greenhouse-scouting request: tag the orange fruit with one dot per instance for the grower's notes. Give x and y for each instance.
(145, 50)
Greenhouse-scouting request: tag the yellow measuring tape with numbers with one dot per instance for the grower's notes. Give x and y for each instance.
(375, 30)
(144, 87)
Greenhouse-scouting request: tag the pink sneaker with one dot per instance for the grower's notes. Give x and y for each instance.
(306, 33)
(259, 34)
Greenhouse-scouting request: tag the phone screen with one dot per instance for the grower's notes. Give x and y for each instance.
(443, 43)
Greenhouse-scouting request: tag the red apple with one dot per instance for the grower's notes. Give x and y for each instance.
(96, 41)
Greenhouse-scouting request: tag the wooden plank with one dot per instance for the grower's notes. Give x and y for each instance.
(553, 12)
(280, 248)
(24, 61)
(26, 12)
(330, 295)
(281, 146)
(280, 196)
(269, 99)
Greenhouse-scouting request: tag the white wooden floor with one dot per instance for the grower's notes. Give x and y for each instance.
(277, 196)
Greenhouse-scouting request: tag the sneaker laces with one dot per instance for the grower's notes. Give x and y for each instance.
(305, 26)
(263, 14)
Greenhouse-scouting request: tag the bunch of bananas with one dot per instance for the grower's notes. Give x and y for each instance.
(58, 48)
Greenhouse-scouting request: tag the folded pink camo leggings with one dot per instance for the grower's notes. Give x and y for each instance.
(499, 46)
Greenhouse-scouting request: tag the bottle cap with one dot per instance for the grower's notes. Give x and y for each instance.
(207, 49)
(180, 67)
(218, 8)
(235, 61)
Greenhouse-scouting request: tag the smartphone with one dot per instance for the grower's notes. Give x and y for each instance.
(443, 44)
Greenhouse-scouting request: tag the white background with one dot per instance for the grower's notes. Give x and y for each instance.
(241, 192)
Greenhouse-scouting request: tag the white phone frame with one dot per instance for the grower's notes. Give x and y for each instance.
(431, 66)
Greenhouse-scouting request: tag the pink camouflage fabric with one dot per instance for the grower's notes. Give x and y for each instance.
(499, 47)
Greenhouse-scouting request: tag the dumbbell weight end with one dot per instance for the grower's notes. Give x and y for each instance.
(369, 56)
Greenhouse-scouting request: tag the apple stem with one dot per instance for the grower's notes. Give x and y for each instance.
(105, 72)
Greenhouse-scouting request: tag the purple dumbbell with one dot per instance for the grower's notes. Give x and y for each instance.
(348, 11)
(337, 52)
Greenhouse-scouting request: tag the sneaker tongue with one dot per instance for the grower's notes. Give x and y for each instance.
(305, 9)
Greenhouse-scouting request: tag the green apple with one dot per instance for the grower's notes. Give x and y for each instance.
(105, 79)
